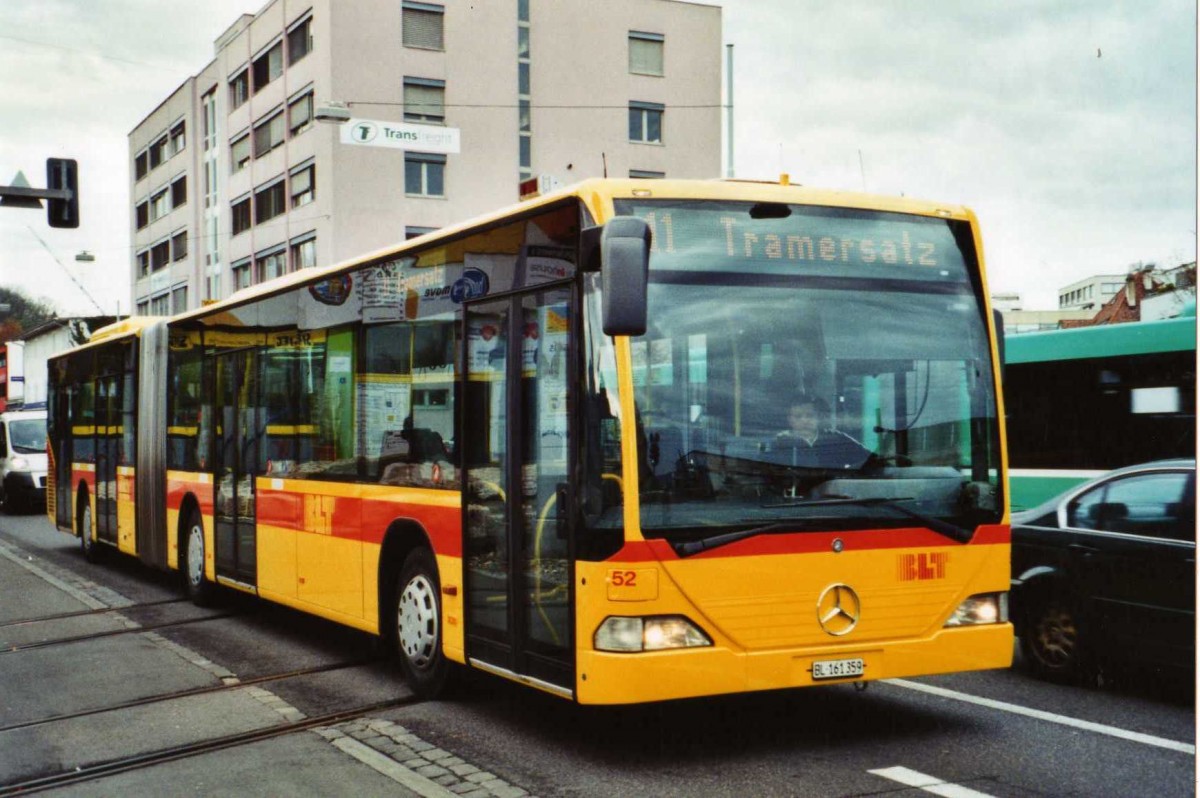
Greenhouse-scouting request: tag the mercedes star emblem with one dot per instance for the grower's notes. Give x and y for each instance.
(838, 609)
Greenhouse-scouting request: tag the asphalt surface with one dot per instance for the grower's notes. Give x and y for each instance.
(996, 733)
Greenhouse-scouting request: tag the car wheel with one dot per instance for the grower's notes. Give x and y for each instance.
(1052, 641)
(87, 541)
(199, 589)
(417, 610)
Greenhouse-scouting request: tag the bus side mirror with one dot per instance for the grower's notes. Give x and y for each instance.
(624, 273)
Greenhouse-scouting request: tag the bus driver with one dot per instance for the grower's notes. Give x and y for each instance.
(809, 442)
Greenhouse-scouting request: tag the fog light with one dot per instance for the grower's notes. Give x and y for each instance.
(984, 608)
(653, 633)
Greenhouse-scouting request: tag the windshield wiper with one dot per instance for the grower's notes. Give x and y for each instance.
(724, 539)
(27, 449)
(944, 528)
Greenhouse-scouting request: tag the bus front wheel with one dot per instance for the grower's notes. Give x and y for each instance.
(417, 612)
(199, 589)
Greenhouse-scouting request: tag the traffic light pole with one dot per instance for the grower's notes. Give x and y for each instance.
(62, 179)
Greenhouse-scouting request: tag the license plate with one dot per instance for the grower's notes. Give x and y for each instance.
(837, 668)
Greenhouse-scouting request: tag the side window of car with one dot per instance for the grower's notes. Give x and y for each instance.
(1084, 511)
(1151, 505)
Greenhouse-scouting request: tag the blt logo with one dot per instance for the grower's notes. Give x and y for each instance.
(923, 566)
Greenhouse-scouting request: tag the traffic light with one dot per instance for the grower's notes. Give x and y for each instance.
(63, 174)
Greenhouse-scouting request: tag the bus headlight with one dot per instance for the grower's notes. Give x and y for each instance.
(19, 464)
(981, 609)
(651, 633)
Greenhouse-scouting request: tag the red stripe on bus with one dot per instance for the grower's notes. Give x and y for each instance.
(814, 542)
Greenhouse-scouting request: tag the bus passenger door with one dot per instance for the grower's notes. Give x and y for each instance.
(234, 461)
(108, 419)
(516, 500)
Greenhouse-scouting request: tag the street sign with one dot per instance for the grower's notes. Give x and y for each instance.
(400, 136)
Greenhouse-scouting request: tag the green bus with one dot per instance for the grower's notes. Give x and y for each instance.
(1081, 402)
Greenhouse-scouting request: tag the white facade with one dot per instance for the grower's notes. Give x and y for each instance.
(245, 184)
(1090, 293)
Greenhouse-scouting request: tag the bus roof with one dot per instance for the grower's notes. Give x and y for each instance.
(1102, 340)
(130, 327)
(598, 194)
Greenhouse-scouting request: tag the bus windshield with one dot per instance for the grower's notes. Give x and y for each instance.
(825, 366)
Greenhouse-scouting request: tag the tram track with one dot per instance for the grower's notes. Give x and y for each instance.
(113, 767)
(195, 691)
(114, 633)
(84, 613)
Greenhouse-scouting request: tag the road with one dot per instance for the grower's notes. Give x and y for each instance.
(71, 704)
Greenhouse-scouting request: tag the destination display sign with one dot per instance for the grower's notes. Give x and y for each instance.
(798, 239)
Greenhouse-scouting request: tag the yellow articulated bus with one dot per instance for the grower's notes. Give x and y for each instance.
(626, 442)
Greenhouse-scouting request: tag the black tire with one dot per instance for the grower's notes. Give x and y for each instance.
(5, 506)
(87, 540)
(192, 550)
(416, 618)
(1052, 640)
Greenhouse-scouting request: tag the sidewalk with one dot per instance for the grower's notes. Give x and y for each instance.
(41, 683)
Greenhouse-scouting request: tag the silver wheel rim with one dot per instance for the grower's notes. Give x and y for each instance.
(195, 555)
(85, 533)
(417, 621)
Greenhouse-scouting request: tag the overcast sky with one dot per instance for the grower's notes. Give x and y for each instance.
(1069, 126)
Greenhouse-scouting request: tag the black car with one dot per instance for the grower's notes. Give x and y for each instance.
(1106, 572)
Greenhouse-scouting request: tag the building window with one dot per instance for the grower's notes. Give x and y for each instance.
(143, 263)
(239, 153)
(158, 151)
(523, 78)
(645, 122)
(141, 165)
(208, 119)
(240, 272)
(160, 255)
(268, 267)
(303, 185)
(178, 138)
(523, 114)
(412, 231)
(645, 53)
(241, 216)
(158, 205)
(269, 202)
(268, 135)
(304, 254)
(143, 214)
(424, 174)
(300, 41)
(526, 147)
(300, 114)
(160, 305)
(424, 100)
(422, 25)
(179, 299)
(646, 174)
(239, 89)
(179, 245)
(268, 66)
(179, 192)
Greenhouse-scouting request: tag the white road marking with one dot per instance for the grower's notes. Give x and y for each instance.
(911, 778)
(1063, 720)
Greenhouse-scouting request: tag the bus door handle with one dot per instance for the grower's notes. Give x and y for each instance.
(561, 510)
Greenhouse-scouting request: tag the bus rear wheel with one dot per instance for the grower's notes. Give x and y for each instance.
(199, 589)
(417, 614)
(87, 543)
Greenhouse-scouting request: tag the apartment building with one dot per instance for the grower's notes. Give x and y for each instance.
(436, 112)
